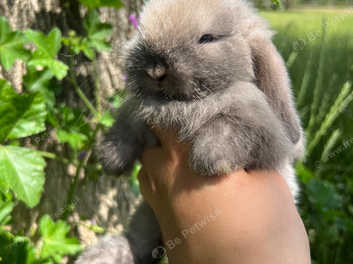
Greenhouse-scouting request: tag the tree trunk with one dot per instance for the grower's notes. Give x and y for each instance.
(107, 201)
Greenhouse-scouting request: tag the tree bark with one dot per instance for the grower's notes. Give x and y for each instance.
(108, 201)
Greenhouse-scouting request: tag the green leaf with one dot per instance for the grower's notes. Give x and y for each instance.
(46, 52)
(97, 32)
(102, 3)
(22, 170)
(47, 45)
(78, 44)
(56, 244)
(40, 81)
(21, 115)
(76, 139)
(100, 45)
(71, 127)
(58, 68)
(96, 39)
(323, 195)
(11, 45)
(5, 212)
(133, 180)
(277, 3)
(303, 173)
(107, 119)
(97, 229)
(14, 250)
(87, 49)
(116, 100)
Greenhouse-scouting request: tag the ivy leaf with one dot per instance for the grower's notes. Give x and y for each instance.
(11, 45)
(22, 170)
(91, 4)
(47, 50)
(97, 32)
(40, 81)
(21, 115)
(56, 244)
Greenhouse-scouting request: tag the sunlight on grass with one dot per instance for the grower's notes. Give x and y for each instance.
(303, 21)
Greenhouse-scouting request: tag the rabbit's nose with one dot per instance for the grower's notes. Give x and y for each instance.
(158, 72)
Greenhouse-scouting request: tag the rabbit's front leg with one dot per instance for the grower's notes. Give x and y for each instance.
(247, 135)
(227, 143)
(124, 143)
(218, 148)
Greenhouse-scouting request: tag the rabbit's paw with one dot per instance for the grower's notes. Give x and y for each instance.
(208, 159)
(214, 150)
(118, 153)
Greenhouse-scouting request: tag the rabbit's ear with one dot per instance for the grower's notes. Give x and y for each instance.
(272, 78)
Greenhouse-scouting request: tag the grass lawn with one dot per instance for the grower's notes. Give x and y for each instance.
(320, 63)
(304, 21)
(317, 60)
(299, 38)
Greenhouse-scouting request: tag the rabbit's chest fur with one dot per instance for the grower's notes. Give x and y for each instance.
(185, 116)
(234, 127)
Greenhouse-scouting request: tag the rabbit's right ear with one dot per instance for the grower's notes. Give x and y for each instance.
(272, 78)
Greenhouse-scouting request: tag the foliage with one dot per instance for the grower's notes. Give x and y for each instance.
(55, 244)
(36, 110)
(288, 4)
(316, 47)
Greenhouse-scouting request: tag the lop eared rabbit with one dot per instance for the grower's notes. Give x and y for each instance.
(208, 69)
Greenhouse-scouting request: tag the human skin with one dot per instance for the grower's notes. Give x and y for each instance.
(247, 217)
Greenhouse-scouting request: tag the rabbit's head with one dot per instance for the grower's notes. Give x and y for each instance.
(186, 50)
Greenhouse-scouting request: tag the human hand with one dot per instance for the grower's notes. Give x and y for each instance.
(244, 217)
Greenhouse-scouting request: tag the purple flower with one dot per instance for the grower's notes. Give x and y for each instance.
(111, 106)
(123, 77)
(82, 155)
(134, 20)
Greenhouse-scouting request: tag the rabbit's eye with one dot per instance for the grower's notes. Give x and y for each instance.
(207, 38)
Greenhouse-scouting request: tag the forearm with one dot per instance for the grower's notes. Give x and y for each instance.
(243, 218)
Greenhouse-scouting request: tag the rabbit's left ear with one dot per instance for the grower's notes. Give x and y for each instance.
(272, 78)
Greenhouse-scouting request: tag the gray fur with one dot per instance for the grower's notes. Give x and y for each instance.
(230, 98)
(135, 247)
